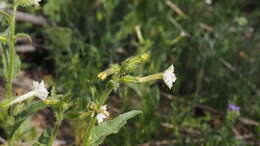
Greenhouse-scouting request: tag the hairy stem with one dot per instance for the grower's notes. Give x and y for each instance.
(11, 53)
(11, 60)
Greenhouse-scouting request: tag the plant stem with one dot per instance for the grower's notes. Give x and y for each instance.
(10, 141)
(93, 118)
(11, 60)
(11, 53)
(56, 128)
(104, 97)
(89, 130)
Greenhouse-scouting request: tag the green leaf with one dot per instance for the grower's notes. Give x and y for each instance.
(3, 38)
(23, 115)
(4, 56)
(23, 35)
(6, 60)
(45, 137)
(16, 66)
(111, 127)
(6, 102)
(6, 15)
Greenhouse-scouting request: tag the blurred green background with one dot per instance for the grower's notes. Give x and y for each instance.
(216, 63)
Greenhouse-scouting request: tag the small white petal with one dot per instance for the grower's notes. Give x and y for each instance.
(100, 117)
(40, 90)
(104, 114)
(169, 77)
(104, 107)
(35, 84)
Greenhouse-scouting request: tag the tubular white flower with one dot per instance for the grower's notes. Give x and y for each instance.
(103, 114)
(169, 77)
(39, 91)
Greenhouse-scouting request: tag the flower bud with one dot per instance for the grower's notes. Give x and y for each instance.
(131, 63)
(115, 68)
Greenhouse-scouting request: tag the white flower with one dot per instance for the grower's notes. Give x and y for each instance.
(40, 90)
(169, 77)
(183, 34)
(103, 114)
(100, 117)
(36, 2)
(209, 2)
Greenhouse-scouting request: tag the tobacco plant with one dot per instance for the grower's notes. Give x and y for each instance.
(97, 121)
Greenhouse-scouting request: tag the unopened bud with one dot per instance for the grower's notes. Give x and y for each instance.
(145, 57)
(115, 68)
(102, 75)
(131, 63)
(51, 102)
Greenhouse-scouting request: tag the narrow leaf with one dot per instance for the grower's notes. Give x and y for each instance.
(2, 38)
(23, 35)
(6, 60)
(6, 15)
(23, 115)
(16, 66)
(4, 57)
(45, 137)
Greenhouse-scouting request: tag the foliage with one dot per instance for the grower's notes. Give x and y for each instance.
(216, 63)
